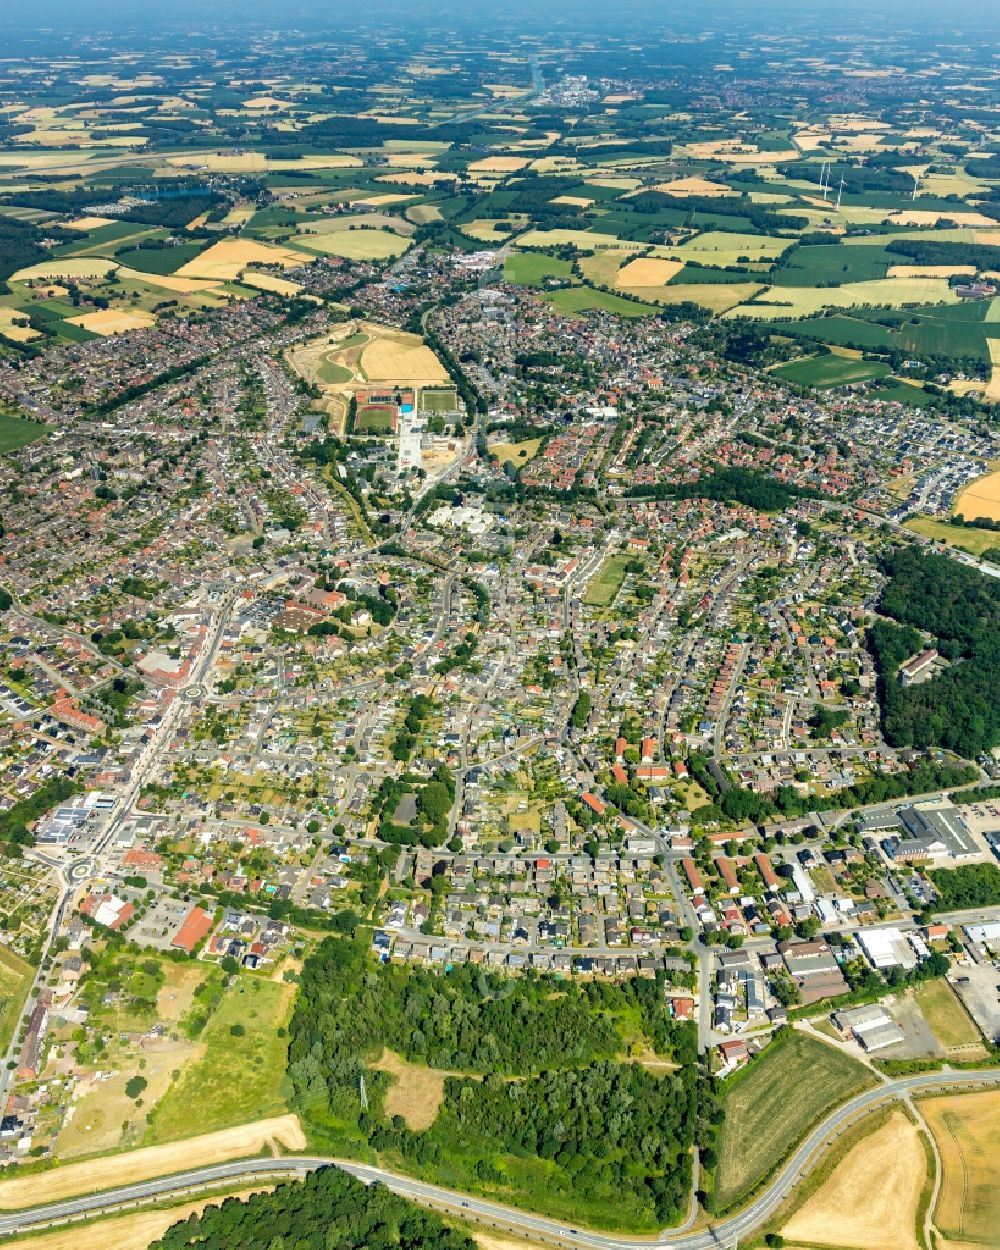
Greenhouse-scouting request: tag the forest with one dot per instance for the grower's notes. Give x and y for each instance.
(557, 1120)
(968, 885)
(328, 1209)
(960, 608)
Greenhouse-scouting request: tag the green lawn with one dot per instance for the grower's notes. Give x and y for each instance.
(607, 583)
(772, 1105)
(827, 371)
(575, 299)
(239, 1077)
(15, 432)
(15, 981)
(333, 373)
(532, 268)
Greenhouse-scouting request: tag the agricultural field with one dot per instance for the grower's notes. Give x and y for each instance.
(974, 541)
(966, 1129)
(401, 359)
(137, 1165)
(577, 299)
(828, 371)
(871, 1198)
(772, 1104)
(136, 1231)
(534, 268)
(980, 498)
(226, 260)
(16, 432)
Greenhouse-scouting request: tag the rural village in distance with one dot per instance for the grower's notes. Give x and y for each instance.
(500, 628)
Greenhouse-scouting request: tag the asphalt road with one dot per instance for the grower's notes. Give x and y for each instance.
(722, 1234)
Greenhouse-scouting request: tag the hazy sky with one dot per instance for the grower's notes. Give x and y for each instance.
(595, 14)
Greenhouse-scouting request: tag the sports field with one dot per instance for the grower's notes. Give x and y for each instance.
(870, 1199)
(15, 432)
(772, 1104)
(966, 1128)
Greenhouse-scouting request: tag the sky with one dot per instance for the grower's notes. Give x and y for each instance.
(595, 14)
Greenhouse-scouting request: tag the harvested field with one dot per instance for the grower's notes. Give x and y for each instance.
(724, 247)
(11, 330)
(137, 1165)
(966, 1128)
(870, 1200)
(499, 165)
(416, 1092)
(914, 217)
(787, 301)
(716, 296)
(68, 267)
(648, 271)
(931, 271)
(225, 261)
(773, 1103)
(694, 186)
(114, 320)
(981, 497)
(404, 359)
(88, 223)
(169, 282)
(269, 282)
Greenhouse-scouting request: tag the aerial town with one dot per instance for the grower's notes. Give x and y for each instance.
(493, 613)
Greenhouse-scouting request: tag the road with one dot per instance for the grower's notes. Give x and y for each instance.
(723, 1233)
(143, 770)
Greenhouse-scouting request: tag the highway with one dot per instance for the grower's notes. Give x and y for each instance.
(721, 1234)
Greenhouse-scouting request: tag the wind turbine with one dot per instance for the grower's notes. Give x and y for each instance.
(824, 175)
(916, 182)
(840, 192)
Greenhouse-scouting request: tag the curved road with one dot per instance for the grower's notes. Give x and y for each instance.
(723, 1234)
